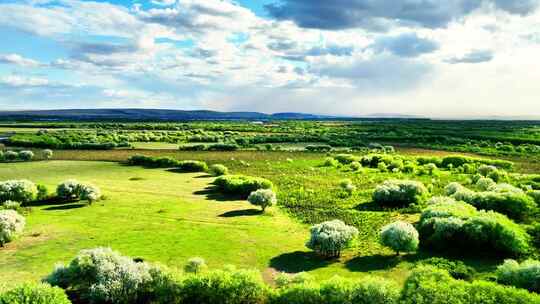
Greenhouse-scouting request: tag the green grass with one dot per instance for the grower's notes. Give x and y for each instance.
(162, 217)
(154, 146)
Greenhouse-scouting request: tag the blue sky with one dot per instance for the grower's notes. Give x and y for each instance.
(454, 58)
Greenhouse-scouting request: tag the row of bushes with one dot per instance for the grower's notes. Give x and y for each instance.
(241, 185)
(9, 156)
(211, 147)
(168, 162)
(104, 276)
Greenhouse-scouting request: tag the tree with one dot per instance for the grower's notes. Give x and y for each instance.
(263, 198)
(331, 237)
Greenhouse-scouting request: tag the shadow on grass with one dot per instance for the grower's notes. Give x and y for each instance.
(378, 262)
(298, 261)
(50, 201)
(212, 193)
(65, 207)
(245, 212)
(204, 176)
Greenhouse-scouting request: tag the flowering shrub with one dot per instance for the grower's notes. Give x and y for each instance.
(400, 193)
(10, 205)
(17, 190)
(330, 238)
(47, 153)
(26, 155)
(485, 184)
(218, 170)
(11, 225)
(104, 276)
(68, 189)
(263, 198)
(195, 265)
(11, 155)
(89, 193)
(400, 236)
(34, 294)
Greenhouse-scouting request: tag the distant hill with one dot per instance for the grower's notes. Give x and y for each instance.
(148, 114)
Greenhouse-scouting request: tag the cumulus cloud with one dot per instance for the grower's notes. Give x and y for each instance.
(475, 56)
(380, 14)
(15, 81)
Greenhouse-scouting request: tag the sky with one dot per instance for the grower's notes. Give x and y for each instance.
(453, 58)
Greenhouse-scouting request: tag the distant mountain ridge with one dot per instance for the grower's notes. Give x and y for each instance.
(150, 114)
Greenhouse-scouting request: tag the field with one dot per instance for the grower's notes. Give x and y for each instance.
(164, 216)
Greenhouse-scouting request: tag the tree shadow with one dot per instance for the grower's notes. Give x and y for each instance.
(298, 261)
(379, 262)
(65, 207)
(204, 176)
(212, 193)
(50, 201)
(244, 212)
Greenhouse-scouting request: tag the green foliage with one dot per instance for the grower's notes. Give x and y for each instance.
(346, 159)
(11, 225)
(457, 269)
(400, 237)
(400, 193)
(34, 294)
(330, 238)
(221, 286)
(263, 198)
(26, 155)
(10, 205)
(330, 162)
(153, 162)
(241, 185)
(195, 265)
(287, 279)
(192, 166)
(17, 190)
(525, 275)
(218, 170)
(69, 189)
(429, 285)
(47, 153)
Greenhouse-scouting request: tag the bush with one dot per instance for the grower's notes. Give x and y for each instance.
(429, 285)
(42, 192)
(192, 166)
(69, 189)
(17, 190)
(330, 162)
(104, 276)
(11, 155)
(345, 159)
(424, 160)
(89, 193)
(355, 166)
(347, 185)
(218, 170)
(11, 225)
(195, 265)
(457, 269)
(263, 198)
(222, 147)
(330, 238)
(535, 194)
(47, 153)
(241, 185)
(153, 162)
(484, 170)
(318, 148)
(525, 275)
(26, 155)
(485, 184)
(400, 237)
(459, 226)
(286, 279)
(400, 193)
(232, 287)
(11, 205)
(34, 294)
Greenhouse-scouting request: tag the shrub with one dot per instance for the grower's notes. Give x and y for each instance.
(218, 170)
(447, 226)
(104, 276)
(89, 193)
(347, 185)
(400, 237)
(153, 162)
(17, 190)
(241, 185)
(263, 198)
(355, 166)
(26, 155)
(430, 168)
(11, 225)
(535, 194)
(11, 155)
(440, 199)
(195, 265)
(525, 275)
(457, 269)
(400, 193)
(286, 279)
(429, 285)
(69, 189)
(34, 294)
(484, 170)
(318, 148)
(11, 205)
(219, 286)
(222, 147)
(47, 153)
(192, 166)
(382, 167)
(42, 192)
(485, 184)
(345, 159)
(330, 162)
(330, 238)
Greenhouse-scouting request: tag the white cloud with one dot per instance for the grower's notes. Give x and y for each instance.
(18, 60)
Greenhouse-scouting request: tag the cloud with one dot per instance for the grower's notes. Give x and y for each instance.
(14, 81)
(380, 14)
(163, 2)
(18, 60)
(475, 56)
(405, 45)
